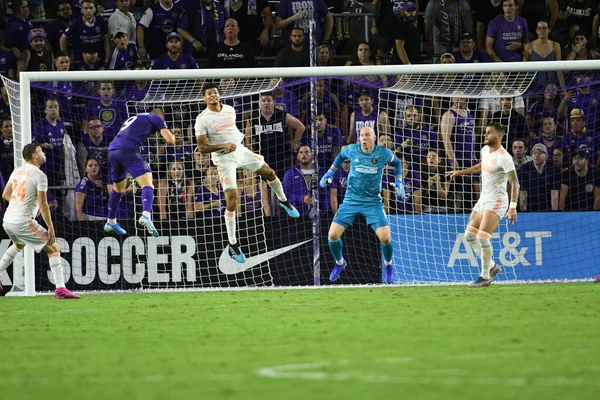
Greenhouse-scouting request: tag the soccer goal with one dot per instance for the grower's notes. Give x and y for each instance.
(297, 118)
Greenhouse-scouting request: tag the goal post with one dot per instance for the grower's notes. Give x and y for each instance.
(429, 247)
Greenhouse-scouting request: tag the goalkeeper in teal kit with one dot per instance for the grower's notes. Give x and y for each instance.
(367, 162)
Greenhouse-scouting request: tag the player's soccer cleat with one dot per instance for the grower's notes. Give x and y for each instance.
(289, 209)
(236, 253)
(116, 228)
(149, 225)
(495, 271)
(597, 279)
(480, 282)
(64, 293)
(389, 274)
(337, 270)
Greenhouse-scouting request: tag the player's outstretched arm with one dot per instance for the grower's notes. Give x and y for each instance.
(514, 196)
(475, 169)
(168, 136)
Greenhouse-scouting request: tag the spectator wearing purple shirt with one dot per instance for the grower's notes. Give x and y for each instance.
(327, 103)
(175, 194)
(8, 63)
(549, 137)
(507, 35)
(329, 141)
(50, 133)
(17, 28)
(158, 21)
(584, 98)
(174, 58)
(467, 53)
(582, 138)
(7, 158)
(91, 195)
(63, 90)
(89, 29)
(183, 153)
(286, 100)
(56, 28)
(415, 139)
(138, 90)
(203, 27)
(393, 204)
(125, 52)
(297, 183)
(548, 107)
(111, 113)
(94, 145)
(209, 200)
(298, 14)
(37, 57)
(369, 116)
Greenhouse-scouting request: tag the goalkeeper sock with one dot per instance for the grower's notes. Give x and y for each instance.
(147, 200)
(8, 257)
(277, 189)
(388, 252)
(113, 205)
(486, 253)
(336, 249)
(230, 225)
(57, 269)
(471, 238)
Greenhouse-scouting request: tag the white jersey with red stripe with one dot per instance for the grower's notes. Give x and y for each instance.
(494, 169)
(219, 126)
(26, 182)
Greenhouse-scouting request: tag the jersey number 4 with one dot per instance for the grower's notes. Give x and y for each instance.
(19, 190)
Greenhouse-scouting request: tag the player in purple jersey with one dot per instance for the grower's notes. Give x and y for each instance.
(89, 29)
(124, 157)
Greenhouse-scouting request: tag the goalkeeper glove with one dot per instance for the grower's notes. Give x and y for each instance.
(327, 178)
(400, 189)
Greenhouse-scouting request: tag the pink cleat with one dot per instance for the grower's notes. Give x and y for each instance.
(64, 293)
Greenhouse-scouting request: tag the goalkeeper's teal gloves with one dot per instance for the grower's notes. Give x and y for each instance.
(400, 188)
(327, 178)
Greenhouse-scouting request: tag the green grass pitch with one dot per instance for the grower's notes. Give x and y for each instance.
(448, 342)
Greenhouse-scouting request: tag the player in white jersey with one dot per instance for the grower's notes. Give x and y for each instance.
(496, 167)
(26, 193)
(217, 133)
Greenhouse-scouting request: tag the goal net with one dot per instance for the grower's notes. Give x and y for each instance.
(298, 120)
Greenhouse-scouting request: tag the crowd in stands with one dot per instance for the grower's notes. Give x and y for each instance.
(551, 131)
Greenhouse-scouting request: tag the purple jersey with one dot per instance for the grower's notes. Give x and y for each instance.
(45, 132)
(111, 116)
(96, 198)
(478, 56)
(184, 61)
(287, 102)
(122, 59)
(205, 196)
(504, 32)
(252, 205)
(81, 33)
(315, 10)
(134, 93)
(589, 141)
(327, 145)
(159, 22)
(99, 152)
(54, 31)
(16, 32)
(588, 102)
(463, 138)
(8, 61)
(361, 120)
(422, 140)
(136, 130)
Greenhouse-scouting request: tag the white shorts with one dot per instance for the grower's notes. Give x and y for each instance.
(498, 206)
(29, 233)
(228, 163)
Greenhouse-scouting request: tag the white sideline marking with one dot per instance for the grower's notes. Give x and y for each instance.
(445, 376)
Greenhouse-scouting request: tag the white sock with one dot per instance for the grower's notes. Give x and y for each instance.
(146, 214)
(471, 238)
(486, 253)
(112, 221)
(277, 189)
(8, 257)
(57, 270)
(230, 225)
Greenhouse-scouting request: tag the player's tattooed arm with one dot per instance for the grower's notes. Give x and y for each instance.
(514, 186)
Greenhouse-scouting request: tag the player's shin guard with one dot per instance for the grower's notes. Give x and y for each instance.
(277, 189)
(471, 238)
(147, 200)
(336, 249)
(57, 270)
(388, 252)
(486, 253)
(8, 257)
(230, 225)
(113, 205)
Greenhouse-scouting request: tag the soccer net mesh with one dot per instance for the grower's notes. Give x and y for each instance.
(433, 122)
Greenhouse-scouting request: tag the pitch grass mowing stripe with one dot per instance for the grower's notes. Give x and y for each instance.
(514, 342)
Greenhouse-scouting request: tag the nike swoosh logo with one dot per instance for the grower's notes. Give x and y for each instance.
(228, 266)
